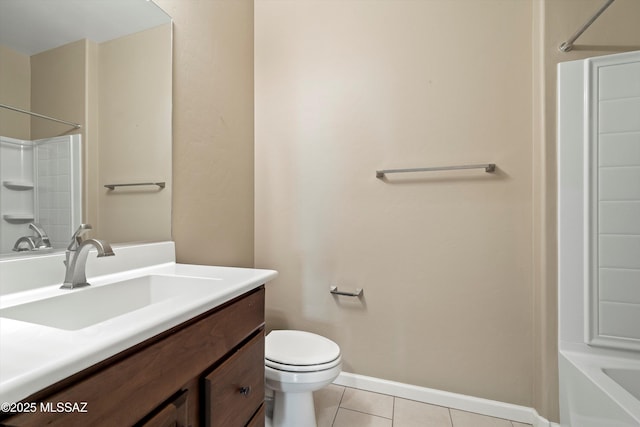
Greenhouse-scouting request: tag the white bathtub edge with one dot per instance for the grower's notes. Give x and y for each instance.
(584, 385)
(493, 408)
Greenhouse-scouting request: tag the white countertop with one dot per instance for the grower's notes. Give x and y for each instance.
(34, 356)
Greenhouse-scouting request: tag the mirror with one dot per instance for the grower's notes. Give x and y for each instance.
(106, 66)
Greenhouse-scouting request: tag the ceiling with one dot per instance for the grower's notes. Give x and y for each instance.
(33, 26)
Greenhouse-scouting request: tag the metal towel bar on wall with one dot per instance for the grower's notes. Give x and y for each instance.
(334, 290)
(113, 186)
(488, 167)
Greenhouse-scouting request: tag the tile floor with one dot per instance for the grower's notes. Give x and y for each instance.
(338, 406)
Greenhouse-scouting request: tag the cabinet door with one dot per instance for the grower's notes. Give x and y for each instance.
(258, 419)
(235, 390)
(171, 414)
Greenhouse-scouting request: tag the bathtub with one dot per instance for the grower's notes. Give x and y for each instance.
(599, 388)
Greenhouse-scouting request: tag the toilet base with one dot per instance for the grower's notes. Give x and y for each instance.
(293, 409)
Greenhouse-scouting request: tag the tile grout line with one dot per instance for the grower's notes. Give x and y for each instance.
(393, 411)
(392, 419)
(344, 389)
(366, 413)
(362, 412)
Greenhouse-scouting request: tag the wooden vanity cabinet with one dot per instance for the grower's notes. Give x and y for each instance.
(172, 414)
(208, 371)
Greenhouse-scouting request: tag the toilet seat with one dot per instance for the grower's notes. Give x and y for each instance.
(300, 351)
(297, 363)
(302, 368)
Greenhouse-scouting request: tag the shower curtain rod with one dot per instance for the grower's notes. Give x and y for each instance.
(568, 45)
(42, 116)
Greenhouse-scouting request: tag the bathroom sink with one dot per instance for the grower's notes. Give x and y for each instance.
(85, 307)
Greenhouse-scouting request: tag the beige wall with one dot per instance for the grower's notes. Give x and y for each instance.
(49, 83)
(90, 148)
(15, 90)
(332, 106)
(134, 134)
(213, 210)
(58, 89)
(445, 259)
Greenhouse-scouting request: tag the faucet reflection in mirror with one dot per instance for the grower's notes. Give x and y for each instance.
(76, 257)
(40, 199)
(34, 243)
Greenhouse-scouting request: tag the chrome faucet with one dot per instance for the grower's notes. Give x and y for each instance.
(42, 241)
(29, 240)
(34, 243)
(76, 257)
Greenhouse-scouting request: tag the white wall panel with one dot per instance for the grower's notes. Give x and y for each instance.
(614, 163)
(619, 319)
(619, 217)
(619, 251)
(53, 170)
(619, 115)
(619, 183)
(619, 81)
(619, 149)
(621, 285)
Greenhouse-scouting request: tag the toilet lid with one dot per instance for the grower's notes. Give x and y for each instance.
(300, 348)
(302, 368)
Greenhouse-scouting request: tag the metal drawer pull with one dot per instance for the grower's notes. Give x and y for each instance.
(245, 391)
(334, 290)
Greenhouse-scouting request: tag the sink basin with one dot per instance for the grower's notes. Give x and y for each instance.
(85, 307)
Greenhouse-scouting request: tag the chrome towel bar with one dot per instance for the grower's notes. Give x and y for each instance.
(113, 186)
(488, 167)
(334, 290)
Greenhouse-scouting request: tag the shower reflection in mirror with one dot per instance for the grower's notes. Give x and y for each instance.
(40, 201)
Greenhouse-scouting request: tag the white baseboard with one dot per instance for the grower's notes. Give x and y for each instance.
(492, 408)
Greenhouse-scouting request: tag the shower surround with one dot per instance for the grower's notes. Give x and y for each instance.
(599, 240)
(41, 182)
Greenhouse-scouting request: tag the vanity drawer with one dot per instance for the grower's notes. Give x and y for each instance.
(172, 414)
(235, 390)
(258, 419)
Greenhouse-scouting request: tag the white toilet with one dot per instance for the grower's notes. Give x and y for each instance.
(297, 363)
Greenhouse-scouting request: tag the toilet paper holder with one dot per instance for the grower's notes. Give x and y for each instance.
(334, 290)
